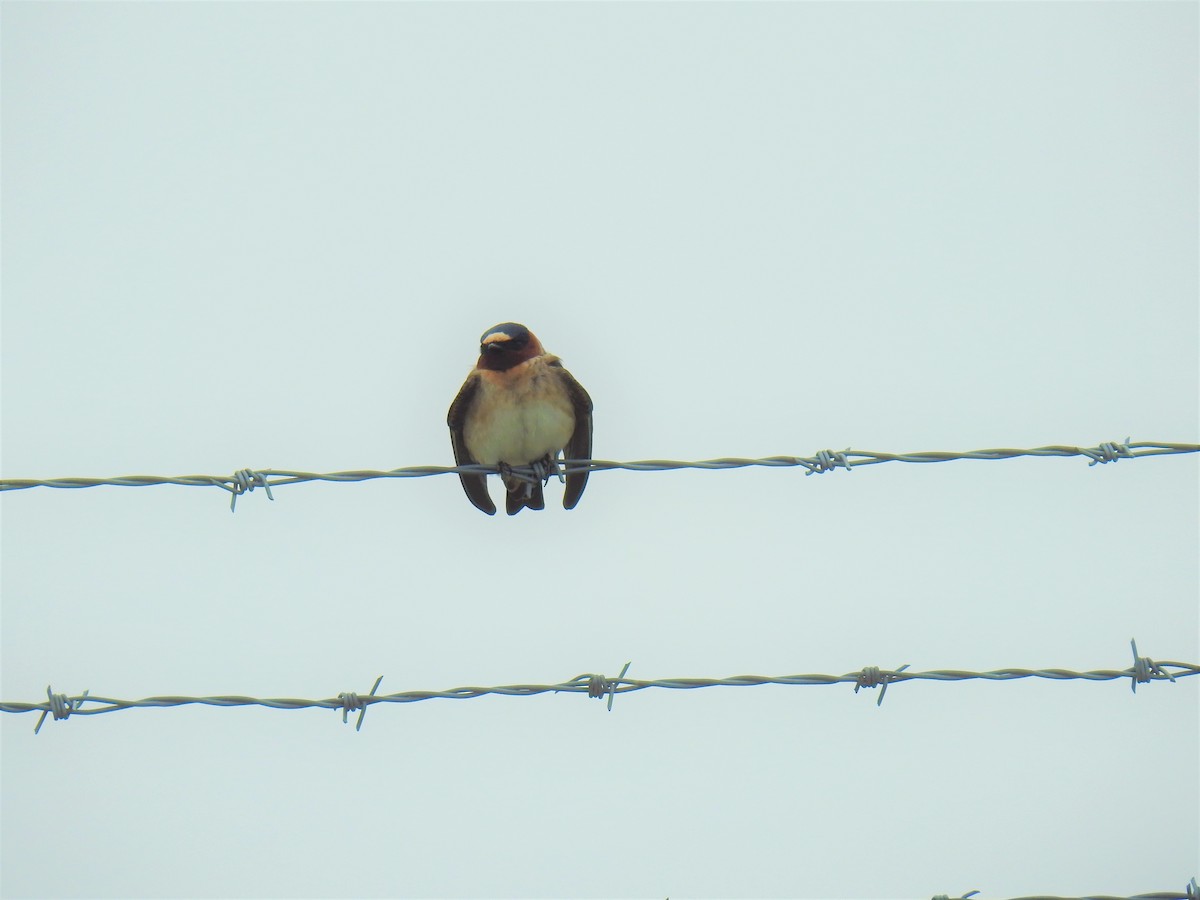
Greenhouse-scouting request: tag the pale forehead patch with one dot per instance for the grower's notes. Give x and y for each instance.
(494, 337)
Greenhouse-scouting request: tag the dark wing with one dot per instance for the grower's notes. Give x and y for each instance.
(580, 444)
(474, 485)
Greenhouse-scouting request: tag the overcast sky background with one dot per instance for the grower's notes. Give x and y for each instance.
(270, 235)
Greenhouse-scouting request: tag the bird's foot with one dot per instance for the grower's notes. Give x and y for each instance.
(514, 483)
(547, 467)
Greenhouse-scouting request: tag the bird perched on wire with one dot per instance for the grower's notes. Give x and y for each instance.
(519, 407)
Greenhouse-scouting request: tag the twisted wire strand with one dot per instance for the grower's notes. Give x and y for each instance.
(596, 686)
(246, 480)
(1188, 893)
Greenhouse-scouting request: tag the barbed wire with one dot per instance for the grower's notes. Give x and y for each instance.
(246, 480)
(1191, 891)
(61, 706)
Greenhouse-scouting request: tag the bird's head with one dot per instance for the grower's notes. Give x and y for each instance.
(506, 345)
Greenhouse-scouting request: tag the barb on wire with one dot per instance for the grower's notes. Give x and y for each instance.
(872, 677)
(351, 701)
(246, 480)
(597, 686)
(1144, 669)
(60, 705)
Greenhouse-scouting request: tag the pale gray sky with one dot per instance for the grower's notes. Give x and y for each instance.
(270, 235)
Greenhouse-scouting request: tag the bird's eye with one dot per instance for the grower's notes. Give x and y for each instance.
(512, 345)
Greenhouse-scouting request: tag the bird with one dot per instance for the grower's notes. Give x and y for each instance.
(519, 407)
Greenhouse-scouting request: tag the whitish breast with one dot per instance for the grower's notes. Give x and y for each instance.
(519, 416)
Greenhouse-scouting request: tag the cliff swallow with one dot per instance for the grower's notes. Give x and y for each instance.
(519, 407)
